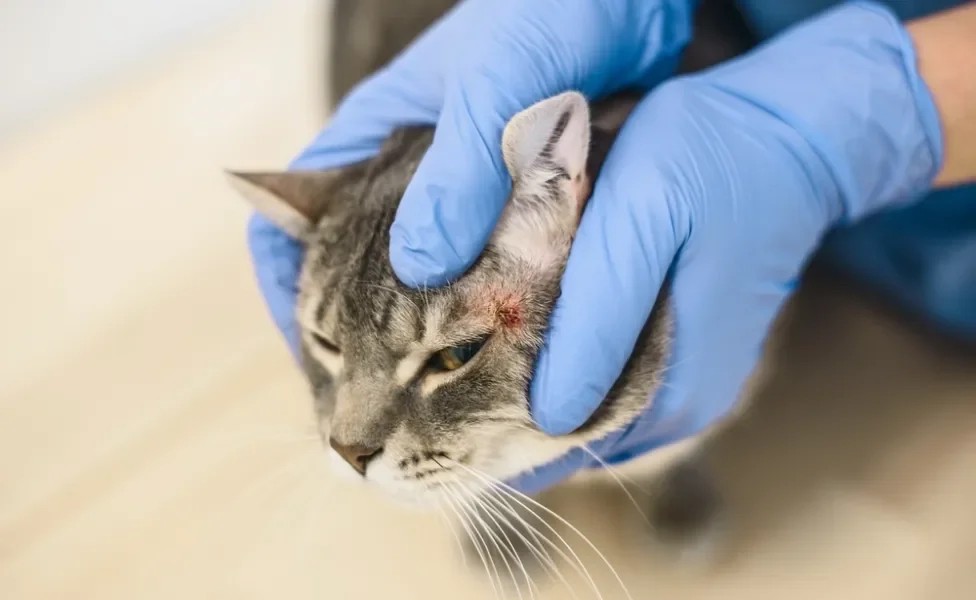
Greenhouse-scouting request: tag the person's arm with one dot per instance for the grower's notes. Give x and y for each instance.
(946, 48)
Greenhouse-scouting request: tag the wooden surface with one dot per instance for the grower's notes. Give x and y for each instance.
(156, 438)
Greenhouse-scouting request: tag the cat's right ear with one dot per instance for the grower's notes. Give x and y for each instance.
(295, 201)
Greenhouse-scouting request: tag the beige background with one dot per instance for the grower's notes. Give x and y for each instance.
(155, 439)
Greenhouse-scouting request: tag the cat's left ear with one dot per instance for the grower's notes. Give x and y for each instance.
(295, 201)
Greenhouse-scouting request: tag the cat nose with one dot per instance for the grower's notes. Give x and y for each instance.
(357, 455)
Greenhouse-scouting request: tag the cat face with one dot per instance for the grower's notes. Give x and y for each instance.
(418, 389)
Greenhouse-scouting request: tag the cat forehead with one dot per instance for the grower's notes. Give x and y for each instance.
(372, 305)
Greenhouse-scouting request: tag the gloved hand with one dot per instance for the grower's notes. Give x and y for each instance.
(738, 172)
(470, 73)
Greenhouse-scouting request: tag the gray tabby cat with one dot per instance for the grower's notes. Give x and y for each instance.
(423, 393)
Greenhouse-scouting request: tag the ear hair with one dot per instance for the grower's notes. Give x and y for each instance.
(295, 201)
(545, 148)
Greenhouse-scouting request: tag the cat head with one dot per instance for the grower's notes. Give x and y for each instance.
(417, 388)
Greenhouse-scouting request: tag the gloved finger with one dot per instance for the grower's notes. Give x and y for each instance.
(356, 132)
(361, 124)
(277, 259)
(409, 91)
(717, 344)
(455, 198)
(629, 234)
(453, 202)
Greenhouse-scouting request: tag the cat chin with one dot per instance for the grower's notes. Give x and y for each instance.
(528, 452)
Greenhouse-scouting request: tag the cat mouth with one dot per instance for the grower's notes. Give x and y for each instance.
(432, 475)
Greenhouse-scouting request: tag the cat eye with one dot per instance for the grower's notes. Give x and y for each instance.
(323, 342)
(455, 357)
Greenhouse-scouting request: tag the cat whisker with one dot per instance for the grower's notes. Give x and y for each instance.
(667, 369)
(452, 504)
(501, 503)
(495, 541)
(439, 500)
(619, 478)
(495, 496)
(502, 497)
(423, 291)
(461, 510)
(668, 386)
(494, 503)
(613, 473)
(510, 546)
(515, 494)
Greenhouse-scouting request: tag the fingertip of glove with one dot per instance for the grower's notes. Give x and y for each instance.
(441, 226)
(552, 410)
(416, 267)
(551, 423)
(453, 200)
(420, 252)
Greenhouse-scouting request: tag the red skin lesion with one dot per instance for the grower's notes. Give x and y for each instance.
(506, 307)
(503, 308)
(509, 315)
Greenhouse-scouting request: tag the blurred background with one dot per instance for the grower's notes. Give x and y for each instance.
(155, 436)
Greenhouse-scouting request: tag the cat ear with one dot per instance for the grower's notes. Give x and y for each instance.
(295, 201)
(545, 148)
(549, 136)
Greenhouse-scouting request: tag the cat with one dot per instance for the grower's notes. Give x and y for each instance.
(424, 393)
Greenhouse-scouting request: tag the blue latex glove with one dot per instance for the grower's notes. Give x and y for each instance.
(778, 141)
(470, 73)
(739, 172)
(923, 256)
